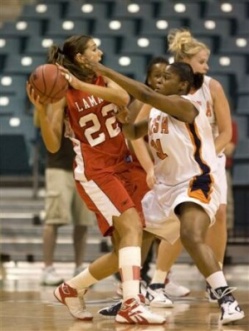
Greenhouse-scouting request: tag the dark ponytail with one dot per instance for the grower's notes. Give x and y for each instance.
(67, 57)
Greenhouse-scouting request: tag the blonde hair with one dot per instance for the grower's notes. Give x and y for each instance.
(182, 44)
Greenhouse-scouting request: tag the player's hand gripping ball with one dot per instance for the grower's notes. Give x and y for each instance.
(48, 82)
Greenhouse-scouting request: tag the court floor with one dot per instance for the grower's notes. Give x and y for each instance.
(28, 306)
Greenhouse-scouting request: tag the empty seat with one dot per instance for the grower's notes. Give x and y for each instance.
(241, 174)
(226, 82)
(14, 155)
(107, 44)
(143, 45)
(88, 10)
(66, 28)
(228, 64)
(133, 66)
(242, 150)
(235, 45)
(43, 11)
(185, 10)
(13, 85)
(243, 104)
(243, 28)
(210, 41)
(215, 28)
(123, 9)
(18, 124)
(243, 85)
(159, 27)
(113, 27)
(40, 45)
(10, 45)
(21, 28)
(243, 126)
(11, 105)
(22, 64)
(232, 10)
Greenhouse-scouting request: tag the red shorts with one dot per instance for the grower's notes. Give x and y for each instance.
(113, 192)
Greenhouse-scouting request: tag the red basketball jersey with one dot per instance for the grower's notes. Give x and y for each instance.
(98, 140)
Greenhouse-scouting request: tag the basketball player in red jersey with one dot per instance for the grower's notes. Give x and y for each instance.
(105, 174)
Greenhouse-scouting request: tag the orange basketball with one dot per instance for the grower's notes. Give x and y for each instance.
(48, 82)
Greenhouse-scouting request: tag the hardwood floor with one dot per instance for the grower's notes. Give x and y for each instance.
(28, 306)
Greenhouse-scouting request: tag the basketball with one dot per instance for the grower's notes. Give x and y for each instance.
(48, 82)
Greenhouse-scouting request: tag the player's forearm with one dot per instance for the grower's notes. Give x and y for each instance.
(117, 97)
(142, 154)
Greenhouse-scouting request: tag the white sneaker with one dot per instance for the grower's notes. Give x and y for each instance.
(172, 289)
(50, 277)
(230, 309)
(133, 311)
(230, 312)
(74, 301)
(157, 297)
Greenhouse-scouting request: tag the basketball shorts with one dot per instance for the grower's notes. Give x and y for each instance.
(221, 173)
(63, 204)
(159, 204)
(112, 193)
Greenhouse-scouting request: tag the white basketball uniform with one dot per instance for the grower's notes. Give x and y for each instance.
(185, 165)
(204, 99)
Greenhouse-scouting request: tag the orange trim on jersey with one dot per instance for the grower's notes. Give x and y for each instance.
(200, 187)
(199, 195)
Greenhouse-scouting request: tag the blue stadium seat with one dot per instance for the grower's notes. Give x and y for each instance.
(228, 64)
(13, 85)
(132, 66)
(231, 10)
(243, 85)
(14, 163)
(211, 27)
(151, 46)
(243, 28)
(11, 105)
(242, 151)
(18, 124)
(123, 9)
(241, 175)
(159, 27)
(41, 11)
(243, 104)
(243, 126)
(22, 64)
(113, 27)
(226, 82)
(21, 28)
(88, 10)
(39, 45)
(235, 45)
(184, 10)
(66, 28)
(10, 45)
(107, 44)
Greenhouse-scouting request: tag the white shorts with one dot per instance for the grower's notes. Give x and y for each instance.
(159, 204)
(221, 173)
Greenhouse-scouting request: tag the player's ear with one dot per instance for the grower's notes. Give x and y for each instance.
(183, 87)
(79, 57)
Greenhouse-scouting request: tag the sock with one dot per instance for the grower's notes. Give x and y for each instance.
(216, 280)
(159, 277)
(82, 280)
(129, 268)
